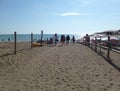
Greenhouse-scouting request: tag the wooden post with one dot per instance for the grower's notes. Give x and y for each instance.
(91, 43)
(108, 51)
(100, 44)
(95, 43)
(31, 40)
(41, 37)
(15, 42)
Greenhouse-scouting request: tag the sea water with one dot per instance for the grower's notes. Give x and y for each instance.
(27, 37)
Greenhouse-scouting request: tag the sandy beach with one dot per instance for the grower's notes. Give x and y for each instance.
(59, 68)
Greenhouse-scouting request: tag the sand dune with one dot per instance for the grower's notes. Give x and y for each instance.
(65, 68)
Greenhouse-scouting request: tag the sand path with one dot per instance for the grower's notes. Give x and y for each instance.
(66, 68)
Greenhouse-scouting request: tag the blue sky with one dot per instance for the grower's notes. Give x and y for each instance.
(59, 16)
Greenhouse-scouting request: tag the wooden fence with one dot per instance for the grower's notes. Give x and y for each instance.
(13, 45)
(107, 49)
(107, 45)
(16, 45)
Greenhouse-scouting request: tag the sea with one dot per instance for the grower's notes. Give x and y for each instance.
(27, 37)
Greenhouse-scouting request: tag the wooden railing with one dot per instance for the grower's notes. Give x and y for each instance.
(106, 48)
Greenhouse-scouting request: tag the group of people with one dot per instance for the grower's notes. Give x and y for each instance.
(5, 41)
(63, 39)
(67, 39)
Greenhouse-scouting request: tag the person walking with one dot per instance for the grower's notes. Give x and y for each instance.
(73, 39)
(62, 39)
(56, 38)
(67, 39)
(87, 40)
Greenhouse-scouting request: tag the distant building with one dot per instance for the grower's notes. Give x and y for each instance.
(110, 32)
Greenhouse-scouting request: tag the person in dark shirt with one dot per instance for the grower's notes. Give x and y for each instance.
(87, 40)
(73, 39)
(67, 39)
(62, 39)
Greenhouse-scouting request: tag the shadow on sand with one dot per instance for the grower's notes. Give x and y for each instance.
(13, 53)
(108, 60)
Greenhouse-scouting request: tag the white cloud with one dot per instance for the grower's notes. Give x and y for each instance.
(76, 14)
(70, 14)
